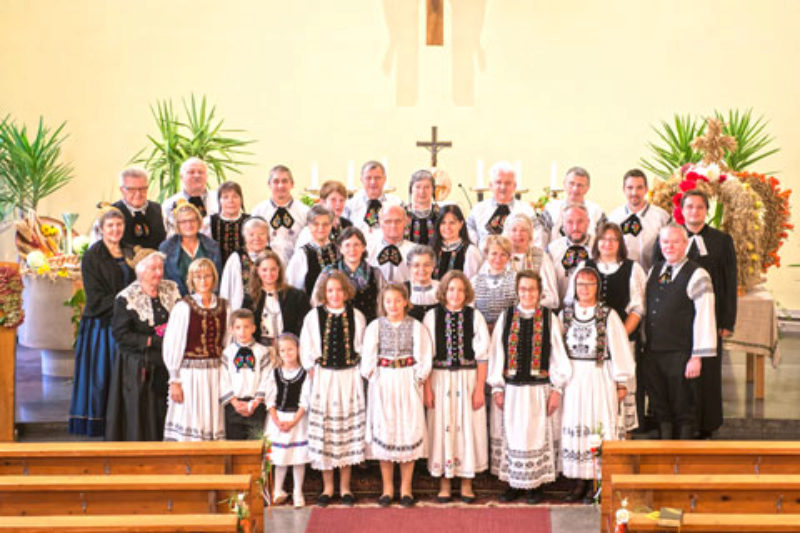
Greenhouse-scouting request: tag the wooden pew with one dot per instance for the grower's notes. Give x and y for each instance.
(722, 523)
(691, 457)
(118, 494)
(120, 523)
(113, 458)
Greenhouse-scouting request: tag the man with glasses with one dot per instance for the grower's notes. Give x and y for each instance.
(144, 222)
(364, 207)
(576, 187)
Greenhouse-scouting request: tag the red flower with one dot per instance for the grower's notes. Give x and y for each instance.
(685, 167)
(677, 214)
(676, 199)
(722, 178)
(687, 185)
(693, 176)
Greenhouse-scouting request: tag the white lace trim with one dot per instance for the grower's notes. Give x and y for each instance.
(139, 302)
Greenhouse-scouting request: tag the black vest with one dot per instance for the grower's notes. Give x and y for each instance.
(228, 233)
(444, 259)
(420, 230)
(615, 289)
(669, 324)
(335, 355)
(287, 398)
(366, 300)
(314, 267)
(451, 361)
(525, 348)
(147, 230)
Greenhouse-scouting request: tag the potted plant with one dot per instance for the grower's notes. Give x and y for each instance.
(200, 134)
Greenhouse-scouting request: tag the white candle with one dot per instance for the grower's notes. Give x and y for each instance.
(479, 181)
(351, 175)
(314, 176)
(518, 172)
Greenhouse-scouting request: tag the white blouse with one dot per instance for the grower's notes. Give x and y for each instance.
(423, 356)
(311, 336)
(230, 284)
(637, 284)
(559, 368)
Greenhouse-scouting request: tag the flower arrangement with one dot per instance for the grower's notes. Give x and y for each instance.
(238, 504)
(750, 207)
(11, 313)
(596, 447)
(265, 482)
(40, 242)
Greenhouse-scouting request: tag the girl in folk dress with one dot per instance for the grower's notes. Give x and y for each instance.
(602, 363)
(396, 361)
(287, 399)
(308, 261)
(528, 368)
(451, 244)
(330, 344)
(454, 393)
(422, 287)
(193, 343)
(239, 267)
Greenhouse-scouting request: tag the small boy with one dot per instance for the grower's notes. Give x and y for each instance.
(247, 367)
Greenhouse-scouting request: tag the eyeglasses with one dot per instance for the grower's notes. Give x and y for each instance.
(202, 276)
(136, 189)
(187, 221)
(586, 284)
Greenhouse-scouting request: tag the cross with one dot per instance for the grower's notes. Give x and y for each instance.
(434, 145)
(713, 144)
(435, 22)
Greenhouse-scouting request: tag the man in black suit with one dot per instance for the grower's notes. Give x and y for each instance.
(144, 223)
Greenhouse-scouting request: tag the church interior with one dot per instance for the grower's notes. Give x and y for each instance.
(451, 86)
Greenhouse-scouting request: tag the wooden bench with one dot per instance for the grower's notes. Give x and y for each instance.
(122, 523)
(691, 457)
(713, 523)
(117, 458)
(115, 494)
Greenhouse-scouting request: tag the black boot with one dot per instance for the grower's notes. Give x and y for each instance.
(533, 496)
(685, 433)
(510, 495)
(665, 429)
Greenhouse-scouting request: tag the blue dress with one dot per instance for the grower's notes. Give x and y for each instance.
(95, 350)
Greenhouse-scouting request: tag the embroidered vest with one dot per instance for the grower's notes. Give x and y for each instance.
(526, 341)
(287, 398)
(454, 333)
(337, 333)
(206, 330)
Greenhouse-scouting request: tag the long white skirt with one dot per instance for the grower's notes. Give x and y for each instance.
(288, 447)
(629, 402)
(395, 416)
(527, 458)
(457, 432)
(590, 402)
(200, 416)
(336, 418)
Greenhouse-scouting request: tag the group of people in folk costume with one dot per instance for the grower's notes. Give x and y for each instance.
(366, 329)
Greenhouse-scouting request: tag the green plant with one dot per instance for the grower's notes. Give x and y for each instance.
(675, 149)
(29, 167)
(200, 135)
(76, 302)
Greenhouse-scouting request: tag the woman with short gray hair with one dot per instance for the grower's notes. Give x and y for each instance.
(137, 400)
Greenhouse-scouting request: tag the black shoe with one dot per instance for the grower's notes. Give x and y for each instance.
(407, 501)
(665, 430)
(385, 500)
(468, 499)
(578, 491)
(510, 495)
(348, 499)
(443, 499)
(323, 500)
(533, 496)
(588, 498)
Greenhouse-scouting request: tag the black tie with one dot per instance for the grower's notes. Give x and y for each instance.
(666, 276)
(140, 226)
(574, 255)
(197, 201)
(244, 358)
(281, 218)
(632, 225)
(371, 216)
(390, 254)
(498, 219)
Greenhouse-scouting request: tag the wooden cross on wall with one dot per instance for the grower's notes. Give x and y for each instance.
(434, 145)
(435, 22)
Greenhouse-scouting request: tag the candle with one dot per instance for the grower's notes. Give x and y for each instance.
(479, 182)
(314, 176)
(554, 176)
(351, 175)
(518, 172)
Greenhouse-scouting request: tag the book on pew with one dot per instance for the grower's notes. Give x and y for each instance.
(670, 517)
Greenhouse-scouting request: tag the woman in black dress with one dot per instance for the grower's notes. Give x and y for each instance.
(137, 399)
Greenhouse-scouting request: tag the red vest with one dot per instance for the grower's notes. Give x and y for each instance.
(206, 330)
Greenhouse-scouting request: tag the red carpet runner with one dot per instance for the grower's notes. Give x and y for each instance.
(438, 519)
